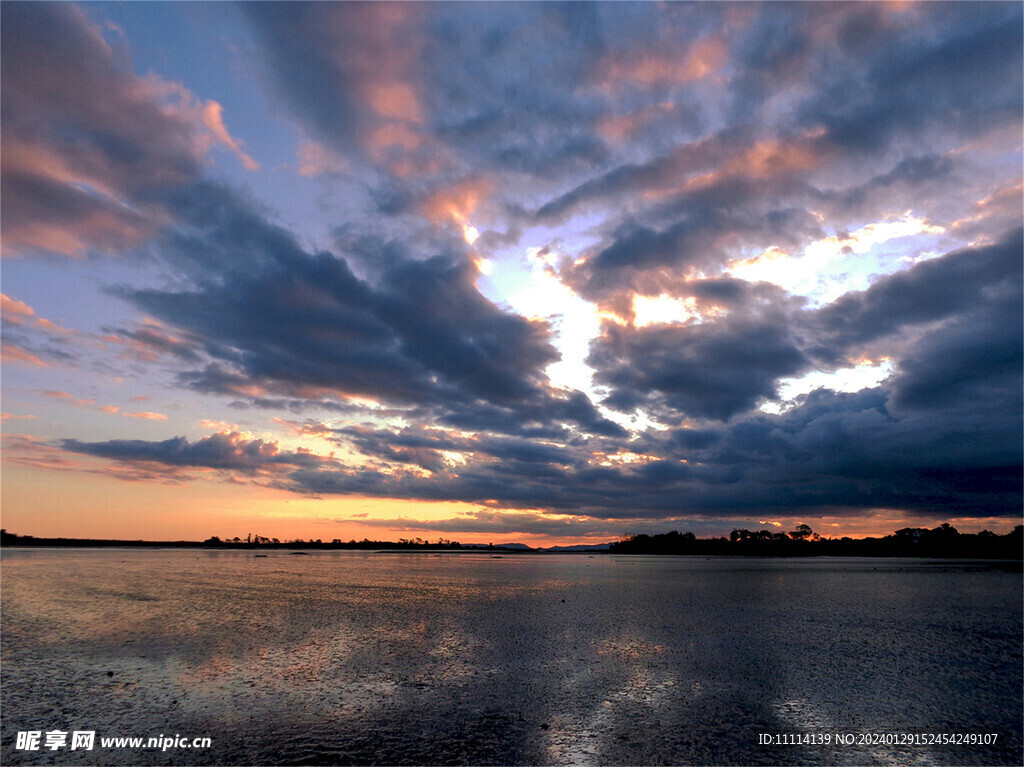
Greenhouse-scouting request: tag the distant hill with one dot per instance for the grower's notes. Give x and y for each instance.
(513, 546)
(579, 547)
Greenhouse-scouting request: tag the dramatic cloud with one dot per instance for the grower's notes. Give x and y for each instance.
(277, 320)
(86, 142)
(710, 370)
(579, 265)
(966, 282)
(225, 451)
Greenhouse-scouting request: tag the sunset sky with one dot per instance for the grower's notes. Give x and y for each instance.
(507, 272)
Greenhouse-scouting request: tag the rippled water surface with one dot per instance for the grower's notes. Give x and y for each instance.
(357, 658)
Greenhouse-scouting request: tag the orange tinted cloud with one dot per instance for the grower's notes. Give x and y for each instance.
(763, 160)
(15, 417)
(394, 99)
(624, 126)
(14, 310)
(775, 157)
(70, 398)
(32, 452)
(98, 220)
(701, 59)
(12, 353)
(456, 203)
(213, 119)
(206, 118)
(379, 46)
(392, 134)
(99, 230)
(148, 416)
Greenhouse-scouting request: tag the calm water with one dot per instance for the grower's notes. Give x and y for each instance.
(347, 657)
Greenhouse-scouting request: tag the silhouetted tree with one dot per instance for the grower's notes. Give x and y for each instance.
(945, 530)
(802, 533)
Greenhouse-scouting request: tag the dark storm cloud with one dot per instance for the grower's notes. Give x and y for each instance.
(723, 367)
(707, 371)
(963, 282)
(942, 437)
(148, 341)
(226, 451)
(917, 173)
(833, 453)
(543, 419)
(706, 233)
(523, 451)
(964, 76)
(279, 321)
(434, 449)
(305, 45)
(637, 177)
(973, 362)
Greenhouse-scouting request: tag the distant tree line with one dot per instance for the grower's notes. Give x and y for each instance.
(251, 541)
(942, 541)
(259, 541)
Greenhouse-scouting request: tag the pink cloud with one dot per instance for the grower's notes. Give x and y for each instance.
(19, 313)
(316, 159)
(69, 398)
(14, 417)
(456, 203)
(31, 452)
(68, 195)
(14, 310)
(213, 119)
(650, 67)
(623, 126)
(15, 354)
(395, 100)
(59, 394)
(148, 416)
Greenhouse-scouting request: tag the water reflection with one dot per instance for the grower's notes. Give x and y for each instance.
(356, 658)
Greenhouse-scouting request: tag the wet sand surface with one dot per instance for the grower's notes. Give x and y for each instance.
(358, 658)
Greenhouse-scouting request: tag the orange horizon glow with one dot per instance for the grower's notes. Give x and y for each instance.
(113, 509)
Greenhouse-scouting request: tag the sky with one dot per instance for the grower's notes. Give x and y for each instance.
(532, 272)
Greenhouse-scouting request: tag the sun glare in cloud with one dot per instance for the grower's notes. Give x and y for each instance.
(650, 310)
(456, 204)
(839, 263)
(866, 374)
(574, 320)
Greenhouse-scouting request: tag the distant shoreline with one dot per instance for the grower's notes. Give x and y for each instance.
(955, 546)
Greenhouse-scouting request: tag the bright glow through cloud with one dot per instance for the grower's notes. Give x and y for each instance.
(829, 267)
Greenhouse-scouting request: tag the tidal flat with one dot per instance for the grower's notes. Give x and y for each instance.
(471, 658)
